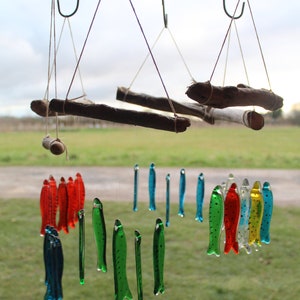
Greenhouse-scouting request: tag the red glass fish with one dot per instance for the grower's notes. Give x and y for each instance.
(80, 195)
(231, 219)
(54, 201)
(62, 195)
(45, 198)
(71, 202)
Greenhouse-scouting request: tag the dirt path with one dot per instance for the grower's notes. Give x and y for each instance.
(116, 183)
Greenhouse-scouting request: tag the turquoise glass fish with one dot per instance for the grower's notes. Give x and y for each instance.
(256, 214)
(138, 264)
(216, 214)
(168, 200)
(135, 187)
(152, 187)
(99, 234)
(243, 228)
(267, 215)
(182, 183)
(81, 245)
(200, 198)
(119, 249)
(159, 257)
(231, 219)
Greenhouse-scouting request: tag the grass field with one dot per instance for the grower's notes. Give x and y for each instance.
(270, 273)
(213, 146)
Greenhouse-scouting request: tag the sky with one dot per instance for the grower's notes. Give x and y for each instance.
(115, 49)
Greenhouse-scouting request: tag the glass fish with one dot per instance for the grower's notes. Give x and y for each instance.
(99, 234)
(79, 194)
(45, 203)
(182, 184)
(243, 228)
(81, 245)
(138, 264)
(230, 180)
(267, 215)
(200, 198)
(62, 195)
(71, 202)
(159, 257)
(231, 219)
(256, 214)
(152, 187)
(168, 200)
(119, 246)
(216, 214)
(53, 202)
(135, 187)
(54, 263)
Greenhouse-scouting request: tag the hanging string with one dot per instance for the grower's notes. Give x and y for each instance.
(154, 61)
(228, 30)
(83, 48)
(227, 53)
(146, 58)
(257, 37)
(76, 57)
(181, 56)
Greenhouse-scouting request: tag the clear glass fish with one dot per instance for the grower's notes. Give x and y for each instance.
(243, 228)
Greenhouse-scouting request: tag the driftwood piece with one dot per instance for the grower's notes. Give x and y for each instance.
(241, 95)
(248, 118)
(131, 117)
(161, 103)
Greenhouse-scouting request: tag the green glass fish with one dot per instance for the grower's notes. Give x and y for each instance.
(216, 213)
(99, 234)
(119, 246)
(159, 257)
(138, 264)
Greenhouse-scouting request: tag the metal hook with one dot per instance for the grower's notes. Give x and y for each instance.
(69, 15)
(233, 17)
(164, 14)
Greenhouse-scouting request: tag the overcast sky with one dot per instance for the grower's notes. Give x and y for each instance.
(116, 49)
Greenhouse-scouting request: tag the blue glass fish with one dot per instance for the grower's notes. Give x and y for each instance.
(168, 200)
(119, 250)
(216, 214)
(138, 264)
(243, 228)
(159, 257)
(267, 215)
(200, 198)
(152, 187)
(135, 187)
(99, 234)
(81, 245)
(182, 183)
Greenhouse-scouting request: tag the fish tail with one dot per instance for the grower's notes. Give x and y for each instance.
(213, 250)
(236, 247)
(266, 239)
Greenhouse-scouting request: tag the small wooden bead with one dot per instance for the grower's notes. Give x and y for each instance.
(57, 147)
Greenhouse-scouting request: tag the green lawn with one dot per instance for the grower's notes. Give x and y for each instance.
(270, 273)
(208, 146)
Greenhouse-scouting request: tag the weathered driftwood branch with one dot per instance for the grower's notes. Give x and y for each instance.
(131, 117)
(241, 95)
(248, 118)
(161, 103)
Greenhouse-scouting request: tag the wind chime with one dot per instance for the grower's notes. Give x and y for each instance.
(244, 214)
